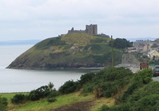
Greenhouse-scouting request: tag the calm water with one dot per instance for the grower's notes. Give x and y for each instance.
(12, 80)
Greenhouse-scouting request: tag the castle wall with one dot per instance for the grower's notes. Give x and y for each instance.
(90, 29)
(76, 31)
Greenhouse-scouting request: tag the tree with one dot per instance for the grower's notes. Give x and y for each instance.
(3, 104)
(18, 98)
(68, 87)
(50, 86)
(120, 43)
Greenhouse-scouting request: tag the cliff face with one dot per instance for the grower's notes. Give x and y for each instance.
(73, 50)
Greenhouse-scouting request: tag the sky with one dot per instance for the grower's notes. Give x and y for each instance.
(41, 19)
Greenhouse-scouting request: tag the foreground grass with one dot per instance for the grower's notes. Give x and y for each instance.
(63, 100)
(98, 103)
(43, 105)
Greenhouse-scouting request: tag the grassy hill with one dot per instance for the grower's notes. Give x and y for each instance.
(73, 50)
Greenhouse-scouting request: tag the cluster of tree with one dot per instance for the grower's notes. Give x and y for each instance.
(120, 43)
(46, 91)
(108, 82)
(139, 90)
(141, 94)
(105, 83)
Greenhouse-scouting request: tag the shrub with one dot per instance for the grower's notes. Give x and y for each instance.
(34, 95)
(108, 82)
(110, 89)
(139, 80)
(122, 107)
(120, 43)
(42, 92)
(18, 98)
(148, 103)
(53, 93)
(86, 78)
(104, 108)
(68, 87)
(3, 104)
(52, 99)
(150, 89)
(88, 87)
(3, 101)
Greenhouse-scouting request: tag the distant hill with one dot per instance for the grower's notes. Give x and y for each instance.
(74, 50)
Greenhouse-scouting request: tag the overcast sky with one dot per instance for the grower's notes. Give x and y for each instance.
(40, 19)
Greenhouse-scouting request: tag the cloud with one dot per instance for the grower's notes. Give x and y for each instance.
(56, 16)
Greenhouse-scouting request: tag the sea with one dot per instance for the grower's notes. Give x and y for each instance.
(18, 80)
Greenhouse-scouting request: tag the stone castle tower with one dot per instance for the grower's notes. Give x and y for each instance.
(90, 29)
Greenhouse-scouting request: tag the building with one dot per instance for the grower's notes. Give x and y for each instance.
(153, 54)
(90, 29)
(75, 31)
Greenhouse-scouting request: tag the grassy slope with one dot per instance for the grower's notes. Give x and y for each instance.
(102, 101)
(75, 48)
(133, 92)
(43, 105)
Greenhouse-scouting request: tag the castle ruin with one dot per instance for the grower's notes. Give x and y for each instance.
(90, 29)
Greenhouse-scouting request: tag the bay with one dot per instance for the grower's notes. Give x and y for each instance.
(16, 80)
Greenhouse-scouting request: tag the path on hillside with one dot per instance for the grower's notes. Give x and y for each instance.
(79, 106)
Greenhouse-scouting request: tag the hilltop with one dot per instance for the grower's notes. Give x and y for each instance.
(72, 50)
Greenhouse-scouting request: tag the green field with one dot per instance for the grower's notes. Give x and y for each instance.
(68, 99)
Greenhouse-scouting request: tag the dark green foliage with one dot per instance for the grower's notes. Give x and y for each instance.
(68, 87)
(88, 87)
(104, 108)
(86, 78)
(150, 89)
(3, 104)
(19, 98)
(148, 103)
(51, 99)
(111, 74)
(140, 79)
(122, 107)
(52, 95)
(41, 92)
(120, 43)
(141, 94)
(46, 91)
(108, 81)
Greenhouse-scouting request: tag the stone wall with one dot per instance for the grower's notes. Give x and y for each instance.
(90, 29)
